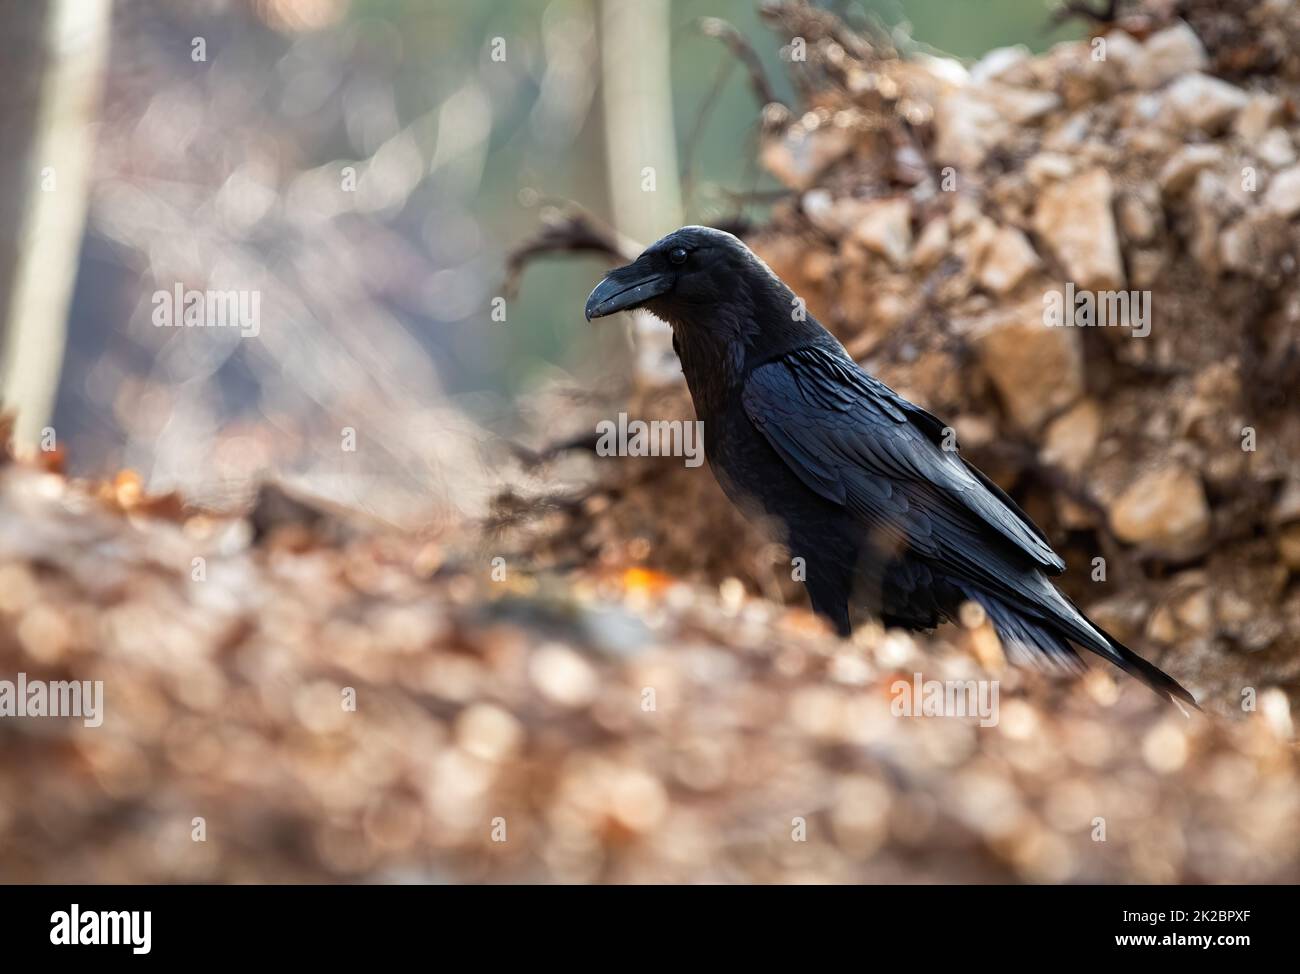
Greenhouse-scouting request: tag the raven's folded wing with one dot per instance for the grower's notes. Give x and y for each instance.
(856, 442)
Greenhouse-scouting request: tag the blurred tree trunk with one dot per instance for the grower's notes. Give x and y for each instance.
(54, 56)
(641, 149)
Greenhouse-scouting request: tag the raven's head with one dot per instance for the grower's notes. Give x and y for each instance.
(685, 277)
(725, 306)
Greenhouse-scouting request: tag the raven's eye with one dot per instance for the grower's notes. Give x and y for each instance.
(677, 255)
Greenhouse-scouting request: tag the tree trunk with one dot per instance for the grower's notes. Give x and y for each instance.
(54, 58)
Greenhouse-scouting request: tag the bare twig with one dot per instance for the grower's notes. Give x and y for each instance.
(1079, 8)
(570, 230)
(697, 129)
(583, 443)
(574, 231)
(720, 30)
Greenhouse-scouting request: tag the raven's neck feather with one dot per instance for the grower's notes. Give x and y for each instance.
(719, 345)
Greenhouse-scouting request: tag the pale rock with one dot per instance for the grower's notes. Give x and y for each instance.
(1216, 389)
(1067, 64)
(932, 244)
(888, 309)
(1236, 246)
(1008, 257)
(1250, 245)
(1235, 610)
(1203, 103)
(1275, 148)
(1288, 546)
(965, 214)
(1163, 511)
(1283, 194)
(1286, 509)
(1074, 71)
(1147, 140)
(819, 208)
(1071, 438)
(1122, 51)
(1224, 469)
(1161, 627)
(1036, 370)
(818, 268)
(1073, 516)
(1049, 167)
(1167, 54)
(911, 167)
(973, 245)
(974, 431)
(1179, 172)
(1021, 105)
(884, 227)
(1071, 135)
(997, 61)
(1145, 267)
(966, 127)
(1261, 112)
(1146, 107)
(1075, 219)
(1215, 202)
(1137, 218)
(1195, 611)
(799, 155)
(946, 69)
(1221, 193)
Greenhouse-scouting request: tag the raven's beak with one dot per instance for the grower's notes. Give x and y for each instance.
(627, 287)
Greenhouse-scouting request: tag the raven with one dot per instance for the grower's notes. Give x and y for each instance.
(868, 487)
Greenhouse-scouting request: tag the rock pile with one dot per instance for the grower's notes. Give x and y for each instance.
(1086, 262)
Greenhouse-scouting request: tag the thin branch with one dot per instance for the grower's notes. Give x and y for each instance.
(570, 230)
(1071, 9)
(697, 129)
(744, 52)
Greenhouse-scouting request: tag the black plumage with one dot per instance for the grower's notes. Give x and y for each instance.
(868, 487)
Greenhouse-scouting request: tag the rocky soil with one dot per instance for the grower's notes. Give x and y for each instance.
(312, 701)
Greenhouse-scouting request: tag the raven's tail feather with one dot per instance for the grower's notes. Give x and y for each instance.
(1031, 639)
(1150, 674)
(1026, 640)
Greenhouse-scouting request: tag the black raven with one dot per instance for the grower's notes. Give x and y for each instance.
(884, 516)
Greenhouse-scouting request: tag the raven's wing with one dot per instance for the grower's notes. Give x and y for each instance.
(856, 442)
